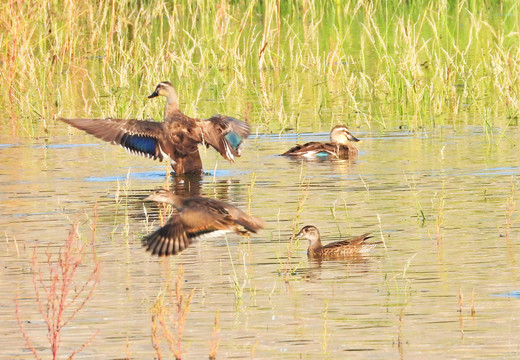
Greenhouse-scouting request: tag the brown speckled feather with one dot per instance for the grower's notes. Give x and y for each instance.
(350, 247)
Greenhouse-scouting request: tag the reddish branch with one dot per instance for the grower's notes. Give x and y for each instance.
(53, 285)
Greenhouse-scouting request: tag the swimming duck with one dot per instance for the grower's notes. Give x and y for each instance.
(339, 146)
(197, 218)
(351, 247)
(175, 138)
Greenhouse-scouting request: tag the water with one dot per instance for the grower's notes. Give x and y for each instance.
(438, 200)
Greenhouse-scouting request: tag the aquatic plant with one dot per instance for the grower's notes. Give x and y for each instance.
(215, 341)
(238, 288)
(171, 322)
(60, 295)
(288, 270)
(510, 210)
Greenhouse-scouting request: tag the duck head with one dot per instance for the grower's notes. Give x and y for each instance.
(341, 135)
(166, 89)
(165, 196)
(310, 233)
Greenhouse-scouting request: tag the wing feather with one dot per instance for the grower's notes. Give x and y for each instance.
(355, 241)
(137, 136)
(225, 134)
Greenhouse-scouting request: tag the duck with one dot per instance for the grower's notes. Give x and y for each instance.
(351, 247)
(339, 147)
(176, 138)
(196, 218)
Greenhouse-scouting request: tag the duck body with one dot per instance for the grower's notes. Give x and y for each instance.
(176, 138)
(197, 218)
(351, 247)
(340, 146)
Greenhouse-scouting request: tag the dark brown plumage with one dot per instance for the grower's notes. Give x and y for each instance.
(175, 138)
(197, 218)
(351, 247)
(339, 146)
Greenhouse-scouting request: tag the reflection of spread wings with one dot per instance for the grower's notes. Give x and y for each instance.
(220, 210)
(182, 229)
(199, 218)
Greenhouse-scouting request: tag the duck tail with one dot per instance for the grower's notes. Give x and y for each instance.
(251, 223)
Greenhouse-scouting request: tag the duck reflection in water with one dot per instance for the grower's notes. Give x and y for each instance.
(196, 218)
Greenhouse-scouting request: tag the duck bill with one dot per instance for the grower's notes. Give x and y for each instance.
(154, 94)
(353, 138)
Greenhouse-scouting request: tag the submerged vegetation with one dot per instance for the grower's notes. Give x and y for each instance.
(371, 63)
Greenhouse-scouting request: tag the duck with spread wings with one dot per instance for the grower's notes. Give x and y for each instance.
(176, 138)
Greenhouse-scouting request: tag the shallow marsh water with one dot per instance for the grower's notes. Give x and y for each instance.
(438, 200)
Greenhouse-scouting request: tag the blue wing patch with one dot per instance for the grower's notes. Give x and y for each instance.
(234, 139)
(139, 143)
(322, 154)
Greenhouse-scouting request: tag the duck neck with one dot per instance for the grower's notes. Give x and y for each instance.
(313, 246)
(176, 202)
(172, 103)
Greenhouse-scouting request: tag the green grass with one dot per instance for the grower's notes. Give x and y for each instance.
(299, 64)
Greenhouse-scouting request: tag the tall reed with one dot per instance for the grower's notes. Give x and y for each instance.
(414, 64)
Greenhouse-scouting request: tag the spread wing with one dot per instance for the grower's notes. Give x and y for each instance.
(138, 136)
(200, 218)
(218, 209)
(250, 223)
(182, 229)
(225, 134)
(169, 239)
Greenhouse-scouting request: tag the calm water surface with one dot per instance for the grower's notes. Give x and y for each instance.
(439, 201)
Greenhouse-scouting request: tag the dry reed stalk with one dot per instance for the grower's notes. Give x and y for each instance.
(215, 341)
(473, 303)
(510, 209)
(461, 319)
(294, 230)
(171, 322)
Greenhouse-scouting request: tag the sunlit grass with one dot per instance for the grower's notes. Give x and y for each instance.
(374, 64)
